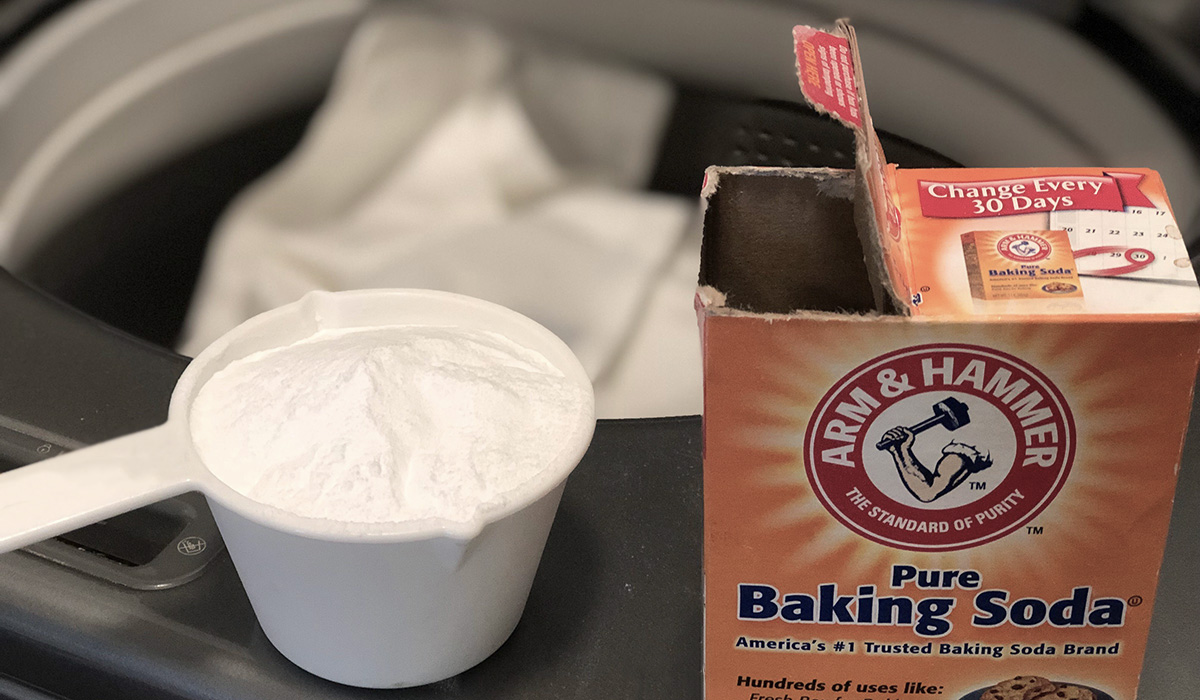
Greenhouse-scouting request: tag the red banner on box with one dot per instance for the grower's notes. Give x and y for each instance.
(1027, 195)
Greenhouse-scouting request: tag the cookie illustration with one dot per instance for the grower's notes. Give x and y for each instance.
(1019, 688)
(1066, 691)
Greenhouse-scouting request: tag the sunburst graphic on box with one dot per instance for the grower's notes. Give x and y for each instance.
(1111, 421)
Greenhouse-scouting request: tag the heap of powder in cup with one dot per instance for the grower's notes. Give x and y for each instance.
(386, 424)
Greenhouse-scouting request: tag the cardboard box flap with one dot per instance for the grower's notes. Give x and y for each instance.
(827, 69)
(830, 74)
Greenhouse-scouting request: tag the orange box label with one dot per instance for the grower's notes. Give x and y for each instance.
(901, 510)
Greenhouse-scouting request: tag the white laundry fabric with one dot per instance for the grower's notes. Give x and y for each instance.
(448, 158)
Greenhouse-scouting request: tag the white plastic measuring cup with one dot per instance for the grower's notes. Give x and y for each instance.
(378, 605)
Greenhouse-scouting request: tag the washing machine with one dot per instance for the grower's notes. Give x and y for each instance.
(126, 127)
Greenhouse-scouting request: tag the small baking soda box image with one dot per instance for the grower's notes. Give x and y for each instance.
(910, 495)
(1020, 265)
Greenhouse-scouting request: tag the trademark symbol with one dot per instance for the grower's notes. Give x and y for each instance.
(978, 485)
(1135, 601)
(1033, 529)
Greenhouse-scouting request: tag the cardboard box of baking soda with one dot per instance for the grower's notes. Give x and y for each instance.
(943, 415)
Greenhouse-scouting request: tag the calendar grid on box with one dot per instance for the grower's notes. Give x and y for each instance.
(1137, 243)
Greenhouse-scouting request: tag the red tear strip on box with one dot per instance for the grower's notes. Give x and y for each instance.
(826, 72)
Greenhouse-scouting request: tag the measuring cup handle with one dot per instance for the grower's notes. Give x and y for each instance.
(79, 488)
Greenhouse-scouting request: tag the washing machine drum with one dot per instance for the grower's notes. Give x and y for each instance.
(128, 124)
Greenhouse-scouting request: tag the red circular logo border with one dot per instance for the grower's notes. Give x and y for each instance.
(1052, 390)
(1044, 253)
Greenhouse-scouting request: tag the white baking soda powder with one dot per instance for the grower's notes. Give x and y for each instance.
(386, 424)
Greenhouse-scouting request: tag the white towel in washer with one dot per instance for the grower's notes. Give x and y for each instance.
(448, 158)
